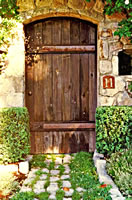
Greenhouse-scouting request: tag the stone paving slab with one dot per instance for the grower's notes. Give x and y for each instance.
(52, 188)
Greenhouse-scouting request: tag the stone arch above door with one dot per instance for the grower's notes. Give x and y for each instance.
(35, 10)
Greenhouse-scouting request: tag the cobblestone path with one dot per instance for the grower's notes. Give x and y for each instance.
(53, 180)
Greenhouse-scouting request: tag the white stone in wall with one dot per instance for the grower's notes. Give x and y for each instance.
(124, 99)
(15, 100)
(115, 65)
(6, 86)
(105, 67)
(106, 101)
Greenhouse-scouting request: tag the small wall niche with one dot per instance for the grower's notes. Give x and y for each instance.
(125, 62)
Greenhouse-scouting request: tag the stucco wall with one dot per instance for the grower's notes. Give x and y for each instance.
(12, 80)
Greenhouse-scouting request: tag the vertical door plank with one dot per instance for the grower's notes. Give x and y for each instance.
(56, 32)
(38, 88)
(38, 142)
(92, 87)
(57, 87)
(32, 141)
(75, 87)
(47, 88)
(74, 32)
(47, 32)
(30, 88)
(29, 37)
(92, 140)
(92, 35)
(84, 87)
(65, 32)
(66, 87)
(84, 33)
(38, 35)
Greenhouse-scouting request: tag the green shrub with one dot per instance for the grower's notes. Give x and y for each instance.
(14, 134)
(119, 167)
(113, 128)
(24, 196)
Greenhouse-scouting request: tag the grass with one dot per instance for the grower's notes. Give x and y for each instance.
(83, 174)
(38, 161)
(119, 167)
(60, 194)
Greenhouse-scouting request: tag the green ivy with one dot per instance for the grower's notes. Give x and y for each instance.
(120, 6)
(119, 167)
(14, 134)
(113, 129)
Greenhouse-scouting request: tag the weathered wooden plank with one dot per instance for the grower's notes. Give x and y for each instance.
(38, 142)
(65, 32)
(92, 35)
(54, 49)
(74, 32)
(84, 33)
(32, 142)
(29, 39)
(66, 87)
(41, 126)
(29, 88)
(92, 87)
(47, 32)
(47, 88)
(84, 87)
(56, 32)
(92, 140)
(38, 36)
(57, 87)
(38, 88)
(75, 87)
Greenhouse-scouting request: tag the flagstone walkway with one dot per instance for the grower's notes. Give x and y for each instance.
(52, 180)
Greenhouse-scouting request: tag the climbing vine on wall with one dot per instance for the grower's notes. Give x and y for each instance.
(124, 7)
(9, 17)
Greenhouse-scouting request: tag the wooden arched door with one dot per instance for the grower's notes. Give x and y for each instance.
(61, 85)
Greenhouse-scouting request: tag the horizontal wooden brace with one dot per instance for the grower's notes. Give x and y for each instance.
(41, 126)
(81, 48)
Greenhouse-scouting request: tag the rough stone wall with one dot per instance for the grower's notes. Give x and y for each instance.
(13, 79)
(109, 47)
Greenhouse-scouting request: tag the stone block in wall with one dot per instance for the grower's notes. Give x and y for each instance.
(106, 33)
(106, 101)
(12, 100)
(123, 99)
(89, 5)
(43, 3)
(76, 4)
(99, 6)
(104, 50)
(105, 67)
(115, 46)
(115, 65)
(58, 3)
(25, 5)
(6, 85)
(119, 87)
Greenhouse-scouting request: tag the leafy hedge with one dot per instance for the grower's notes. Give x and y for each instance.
(14, 134)
(119, 167)
(113, 128)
